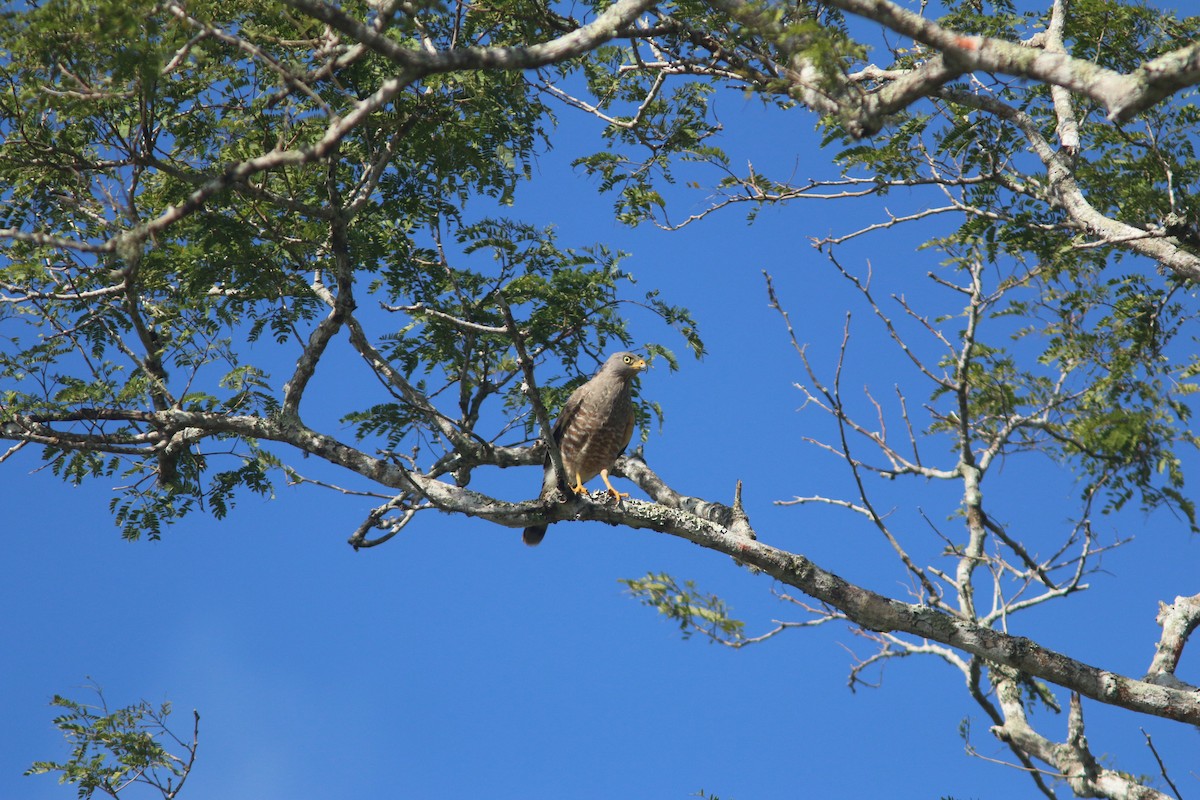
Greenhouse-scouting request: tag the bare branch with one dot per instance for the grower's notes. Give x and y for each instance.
(1073, 760)
(1178, 620)
(530, 390)
(1162, 768)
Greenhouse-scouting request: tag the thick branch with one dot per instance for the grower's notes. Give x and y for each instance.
(875, 612)
(1073, 759)
(830, 92)
(1066, 193)
(423, 62)
(1123, 95)
(866, 608)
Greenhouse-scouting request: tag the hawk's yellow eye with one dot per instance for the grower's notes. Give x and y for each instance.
(628, 359)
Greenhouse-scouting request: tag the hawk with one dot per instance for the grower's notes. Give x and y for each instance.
(593, 429)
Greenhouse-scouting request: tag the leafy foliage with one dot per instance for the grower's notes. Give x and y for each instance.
(208, 205)
(1086, 357)
(694, 611)
(114, 750)
(146, 281)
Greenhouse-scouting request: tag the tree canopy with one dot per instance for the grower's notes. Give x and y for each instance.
(207, 199)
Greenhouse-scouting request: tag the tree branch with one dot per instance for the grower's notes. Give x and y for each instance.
(1123, 95)
(419, 63)
(1178, 620)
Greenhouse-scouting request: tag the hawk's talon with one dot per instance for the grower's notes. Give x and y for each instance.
(615, 495)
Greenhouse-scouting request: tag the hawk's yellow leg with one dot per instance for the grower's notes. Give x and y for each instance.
(616, 496)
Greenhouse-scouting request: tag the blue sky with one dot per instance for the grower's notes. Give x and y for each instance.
(454, 662)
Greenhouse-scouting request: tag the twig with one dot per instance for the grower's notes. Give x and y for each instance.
(1162, 768)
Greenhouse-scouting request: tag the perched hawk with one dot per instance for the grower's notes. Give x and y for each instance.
(593, 429)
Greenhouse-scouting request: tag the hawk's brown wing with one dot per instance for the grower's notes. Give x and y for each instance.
(568, 414)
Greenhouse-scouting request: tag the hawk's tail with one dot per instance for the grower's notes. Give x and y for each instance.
(533, 534)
